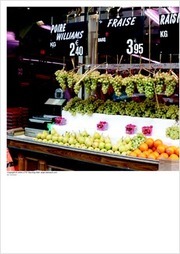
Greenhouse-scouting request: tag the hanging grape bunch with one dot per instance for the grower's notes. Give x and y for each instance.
(61, 77)
(70, 79)
(94, 79)
(79, 83)
(104, 80)
(138, 81)
(171, 82)
(129, 85)
(87, 83)
(148, 87)
(159, 79)
(117, 85)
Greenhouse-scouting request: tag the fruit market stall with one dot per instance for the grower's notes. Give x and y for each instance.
(98, 142)
(104, 131)
(36, 155)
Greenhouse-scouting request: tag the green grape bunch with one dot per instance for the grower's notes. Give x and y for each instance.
(117, 85)
(173, 132)
(128, 82)
(104, 80)
(61, 77)
(94, 80)
(87, 83)
(71, 79)
(138, 81)
(171, 83)
(149, 87)
(159, 80)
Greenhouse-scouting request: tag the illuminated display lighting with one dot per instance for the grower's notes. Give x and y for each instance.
(152, 15)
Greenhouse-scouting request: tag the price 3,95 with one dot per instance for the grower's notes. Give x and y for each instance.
(134, 48)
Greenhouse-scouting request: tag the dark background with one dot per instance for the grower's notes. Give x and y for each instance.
(30, 84)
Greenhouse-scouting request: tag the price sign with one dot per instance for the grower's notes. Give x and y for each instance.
(69, 39)
(121, 36)
(169, 33)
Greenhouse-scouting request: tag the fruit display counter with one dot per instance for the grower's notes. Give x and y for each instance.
(37, 155)
(98, 142)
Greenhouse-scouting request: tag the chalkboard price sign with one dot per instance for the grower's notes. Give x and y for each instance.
(169, 33)
(121, 35)
(69, 39)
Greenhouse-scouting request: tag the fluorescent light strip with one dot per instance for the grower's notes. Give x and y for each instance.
(46, 27)
(165, 9)
(172, 10)
(152, 15)
(147, 59)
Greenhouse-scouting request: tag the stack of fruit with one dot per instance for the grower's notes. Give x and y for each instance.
(161, 82)
(156, 149)
(147, 108)
(138, 146)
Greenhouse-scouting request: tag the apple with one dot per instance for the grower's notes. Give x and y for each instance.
(54, 138)
(110, 151)
(61, 143)
(103, 150)
(107, 140)
(95, 144)
(122, 148)
(97, 149)
(83, 146)
(77, 145)
(53, 131)
(115, 148)
(124, 153)
(65, 139)
(81, 139)
(97, 135)
(72, 140)
(88, 141)
(102, 139)
(84, 133)
(56, 142)
(60, 138)
(127, 139)
(101, 145)
(90, 148)
(49, 137)
(108, 146)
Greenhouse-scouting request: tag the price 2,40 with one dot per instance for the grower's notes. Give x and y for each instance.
(134, 48)
(75, 50)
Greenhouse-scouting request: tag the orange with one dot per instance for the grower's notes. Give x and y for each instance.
(143, 147)
(163, 156)
(149, 142)
(170, 150)
(142, 155)
(153, 148)
(146, 153)
(156, 153)
(157, 142)
(173, 157)
(177, 151)
(152, 156)
(137, 151)
(161, 149)
(133, 154)
(149, 150)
